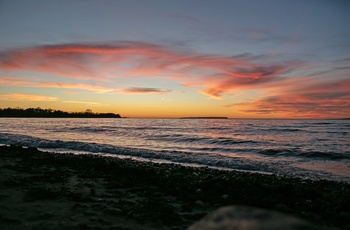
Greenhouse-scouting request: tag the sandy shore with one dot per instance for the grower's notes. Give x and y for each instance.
(66, 191)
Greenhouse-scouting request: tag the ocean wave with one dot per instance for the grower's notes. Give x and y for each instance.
(183, 138)
(322, 123)
(229, 141)
(308, 154)
(284, 130)
(174, 156)
(325, 155)
(88, 129)
(114, 129)
(182, 157)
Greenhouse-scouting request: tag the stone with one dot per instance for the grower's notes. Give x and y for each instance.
(250, 218)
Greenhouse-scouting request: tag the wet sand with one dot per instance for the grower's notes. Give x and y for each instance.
(67, 191)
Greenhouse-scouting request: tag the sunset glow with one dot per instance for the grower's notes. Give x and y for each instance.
(176, 59)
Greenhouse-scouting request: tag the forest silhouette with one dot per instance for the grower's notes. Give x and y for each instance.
(39, 112)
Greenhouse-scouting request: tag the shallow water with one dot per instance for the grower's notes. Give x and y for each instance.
(316, 149)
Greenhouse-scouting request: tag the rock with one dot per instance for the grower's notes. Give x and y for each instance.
(249, 218)
(199, 203)
(225, 197)
(113, 211)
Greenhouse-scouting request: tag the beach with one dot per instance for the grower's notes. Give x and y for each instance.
(67, 191)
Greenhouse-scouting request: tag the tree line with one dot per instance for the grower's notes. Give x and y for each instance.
(39, 112)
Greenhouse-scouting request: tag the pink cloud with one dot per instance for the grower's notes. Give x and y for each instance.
(214, 73)
(79, 60)
(95, 88)
(323, 100)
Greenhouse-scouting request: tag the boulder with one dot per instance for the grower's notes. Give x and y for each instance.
(249, 218)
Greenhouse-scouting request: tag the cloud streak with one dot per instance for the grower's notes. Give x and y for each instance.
(144, 90)
(26, 97)
(94, 88)
(89, 103)
(8, 81)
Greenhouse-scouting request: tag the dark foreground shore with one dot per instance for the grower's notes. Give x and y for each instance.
(65, 191)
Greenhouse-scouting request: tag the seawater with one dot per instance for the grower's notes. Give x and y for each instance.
(314, 149)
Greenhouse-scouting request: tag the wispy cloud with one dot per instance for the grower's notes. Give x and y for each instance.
(95, 88)
(8, 81)
(145, 90)
(249, 35)
(74, 60)
(324, 99)
(90, 103)
(200, 23)
(26, 97)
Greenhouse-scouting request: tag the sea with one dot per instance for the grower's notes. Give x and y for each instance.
(308, 149)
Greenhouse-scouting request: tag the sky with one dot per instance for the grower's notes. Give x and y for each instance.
(165, 58)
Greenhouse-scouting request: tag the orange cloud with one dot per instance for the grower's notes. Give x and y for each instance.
(26, 97)
(90, 103)
(6, 81)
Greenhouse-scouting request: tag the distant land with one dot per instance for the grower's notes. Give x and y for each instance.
(204, 118)
(50, 113)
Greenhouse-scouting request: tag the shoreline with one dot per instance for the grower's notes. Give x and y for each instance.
(79, 191)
